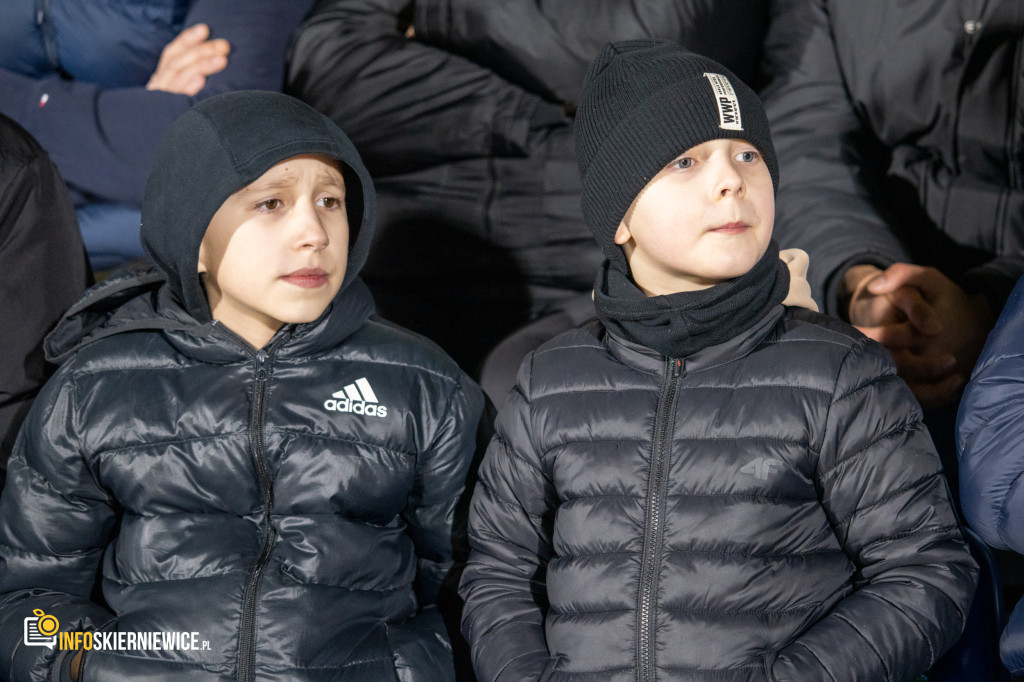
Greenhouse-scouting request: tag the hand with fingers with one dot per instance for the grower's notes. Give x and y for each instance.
(188, 60)
(932, 328)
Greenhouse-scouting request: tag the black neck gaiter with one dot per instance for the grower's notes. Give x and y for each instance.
(678, 325)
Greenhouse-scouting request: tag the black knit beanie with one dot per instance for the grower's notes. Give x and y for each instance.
(644, 103)
(218, 147)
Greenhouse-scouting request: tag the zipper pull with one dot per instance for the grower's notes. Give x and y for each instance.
(677, 368)
(261, 361)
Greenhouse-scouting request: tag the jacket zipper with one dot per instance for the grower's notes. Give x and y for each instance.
(654, 524)
(247, 633)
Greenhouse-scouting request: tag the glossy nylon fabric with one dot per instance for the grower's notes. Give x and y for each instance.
(134, 479)
(805, 528)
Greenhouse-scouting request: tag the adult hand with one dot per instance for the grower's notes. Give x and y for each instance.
(932, 328)
(187, 60)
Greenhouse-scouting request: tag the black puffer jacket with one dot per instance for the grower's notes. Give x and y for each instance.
(744, 513)
(293, 505)
(897, 127)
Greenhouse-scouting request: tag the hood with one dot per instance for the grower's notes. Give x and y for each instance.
(128, 300)
(218, 147)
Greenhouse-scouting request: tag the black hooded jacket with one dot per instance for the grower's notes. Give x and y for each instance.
(291, 505)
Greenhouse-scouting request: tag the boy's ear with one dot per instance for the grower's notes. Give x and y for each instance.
(202, 269)
(622, 234)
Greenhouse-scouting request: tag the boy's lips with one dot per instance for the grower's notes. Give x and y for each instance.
(730, 228)
(307, 278)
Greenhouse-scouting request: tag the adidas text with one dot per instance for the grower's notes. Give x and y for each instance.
(355, 407)
(357, 398)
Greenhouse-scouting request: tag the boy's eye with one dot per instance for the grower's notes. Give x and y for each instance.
(269, 204)
(748, 156)
(330, 202)
(685, 162)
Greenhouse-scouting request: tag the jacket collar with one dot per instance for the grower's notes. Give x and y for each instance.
(647, 360)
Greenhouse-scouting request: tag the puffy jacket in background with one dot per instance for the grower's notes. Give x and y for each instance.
(44, 271)
(990, 444)
(293, 506)
(745, 513)
(897, 132)
(467, 129)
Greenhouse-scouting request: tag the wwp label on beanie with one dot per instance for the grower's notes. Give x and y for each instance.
(728, 103)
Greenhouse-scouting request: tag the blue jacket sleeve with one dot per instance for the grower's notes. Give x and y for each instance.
(103, 139)
(55, 523)
(990, 433)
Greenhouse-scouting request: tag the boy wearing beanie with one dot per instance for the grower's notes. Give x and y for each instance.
(704, 484)
(238, 472)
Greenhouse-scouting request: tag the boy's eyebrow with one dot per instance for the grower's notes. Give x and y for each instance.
(288, 180)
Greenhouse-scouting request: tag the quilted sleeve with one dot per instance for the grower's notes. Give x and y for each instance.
(881, 484)
(510, 528)
(990, 434)
(55, 523)
(441, 477)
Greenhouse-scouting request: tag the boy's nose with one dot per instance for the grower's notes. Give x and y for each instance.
(729, 180)
(310, 231)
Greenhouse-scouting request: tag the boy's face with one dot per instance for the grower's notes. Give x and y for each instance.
(706, 218)
(276, 251)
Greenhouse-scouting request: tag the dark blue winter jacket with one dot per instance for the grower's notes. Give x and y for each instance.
(73, 74)
(990, 444)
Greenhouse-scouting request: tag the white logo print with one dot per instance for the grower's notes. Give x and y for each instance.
(357, 398)
(728, 103)
(761, 467)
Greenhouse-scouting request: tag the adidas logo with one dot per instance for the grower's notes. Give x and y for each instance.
(357, 398)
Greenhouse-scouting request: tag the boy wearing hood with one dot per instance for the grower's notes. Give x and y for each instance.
(704, 484)
(235, 454)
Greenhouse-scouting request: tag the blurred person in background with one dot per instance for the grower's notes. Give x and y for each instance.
(44, 271)
(99, 83)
